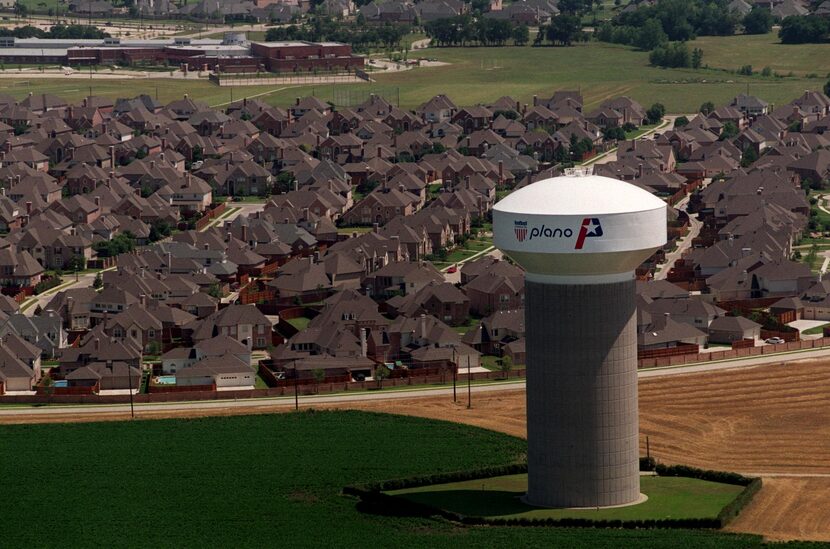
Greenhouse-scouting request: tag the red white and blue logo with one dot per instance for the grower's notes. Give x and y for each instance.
(521, 230)
(590, 228)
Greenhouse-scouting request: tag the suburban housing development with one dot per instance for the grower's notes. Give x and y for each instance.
(176, 248)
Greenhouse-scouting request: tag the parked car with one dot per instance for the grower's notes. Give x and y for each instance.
(774, 340)
(452, 269)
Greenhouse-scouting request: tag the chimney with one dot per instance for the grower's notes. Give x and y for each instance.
(296, 185)
(29, 208)
(518, 107)
(97, 200)
(163, 144)
(305, 214)
(142, 299)
(375, 227)
(639, 170)
(535, 100)
(169, 263)
(501, 171)
(245, 234)
(467, 182)
(380, 154)
(423, 325)
(152, 164)
(206, 246)
(363, 344)
(96, 344)
(297, 101)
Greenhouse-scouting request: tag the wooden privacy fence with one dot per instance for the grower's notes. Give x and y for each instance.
(694, 358)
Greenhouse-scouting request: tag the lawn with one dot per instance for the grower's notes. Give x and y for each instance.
(189, 483)
(301, 322)
(816, 330)
(476, 75)
(765, 50)
(668, 497)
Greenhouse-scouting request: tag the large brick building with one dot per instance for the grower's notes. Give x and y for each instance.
(231, 54)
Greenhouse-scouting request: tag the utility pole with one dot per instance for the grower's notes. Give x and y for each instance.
(130, 375)
(469, 386)
(454, 374)
(296, 393)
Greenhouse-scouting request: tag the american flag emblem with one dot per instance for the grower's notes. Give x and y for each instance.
(590, 228)
(521, 230)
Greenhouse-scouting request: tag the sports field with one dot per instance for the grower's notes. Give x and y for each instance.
(259, 481)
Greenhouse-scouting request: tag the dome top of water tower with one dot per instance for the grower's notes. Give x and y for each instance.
(579, 225)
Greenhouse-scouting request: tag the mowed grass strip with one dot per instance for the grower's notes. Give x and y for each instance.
(668, 497)
(259, 481)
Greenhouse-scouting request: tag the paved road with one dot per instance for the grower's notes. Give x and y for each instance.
(310, 400)
(69, 281)
(695, 225)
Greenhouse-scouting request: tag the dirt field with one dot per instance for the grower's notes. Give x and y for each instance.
(768, 420)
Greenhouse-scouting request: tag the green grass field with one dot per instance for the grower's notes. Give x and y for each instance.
(480, 75)
(668, 497)
(764, 50)
(260, 481)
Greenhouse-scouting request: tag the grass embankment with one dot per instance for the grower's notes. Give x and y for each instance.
(668, 497)
(254, 481)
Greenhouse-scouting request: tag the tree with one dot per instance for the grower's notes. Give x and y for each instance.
(728, 131)
(98, 282)
(319, 376)
(505, 365)
(521, 35)
(21, 9)
(681, 121)
(671, 55)
(381, 373)
(797, 29)
(655, 113)
(827, 87)
(749, 156)
(758, 21)
(707, 108)
(615, 133)
(697, 58)
(563, 29)
(651, 35)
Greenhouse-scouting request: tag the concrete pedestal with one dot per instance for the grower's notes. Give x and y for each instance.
(582, 419)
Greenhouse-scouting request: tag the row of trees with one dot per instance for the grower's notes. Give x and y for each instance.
(326, 29)
(684, 19)
(676, 55)
(73, 32)
(466, 30)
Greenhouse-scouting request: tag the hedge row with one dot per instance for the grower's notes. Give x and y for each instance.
(374, 500)
(693, 472)
(734, 508)
(439, 478)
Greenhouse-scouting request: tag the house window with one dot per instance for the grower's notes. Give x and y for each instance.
(151, 334)
(117, 332)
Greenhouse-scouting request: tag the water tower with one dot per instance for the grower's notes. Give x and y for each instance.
(579, 238)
